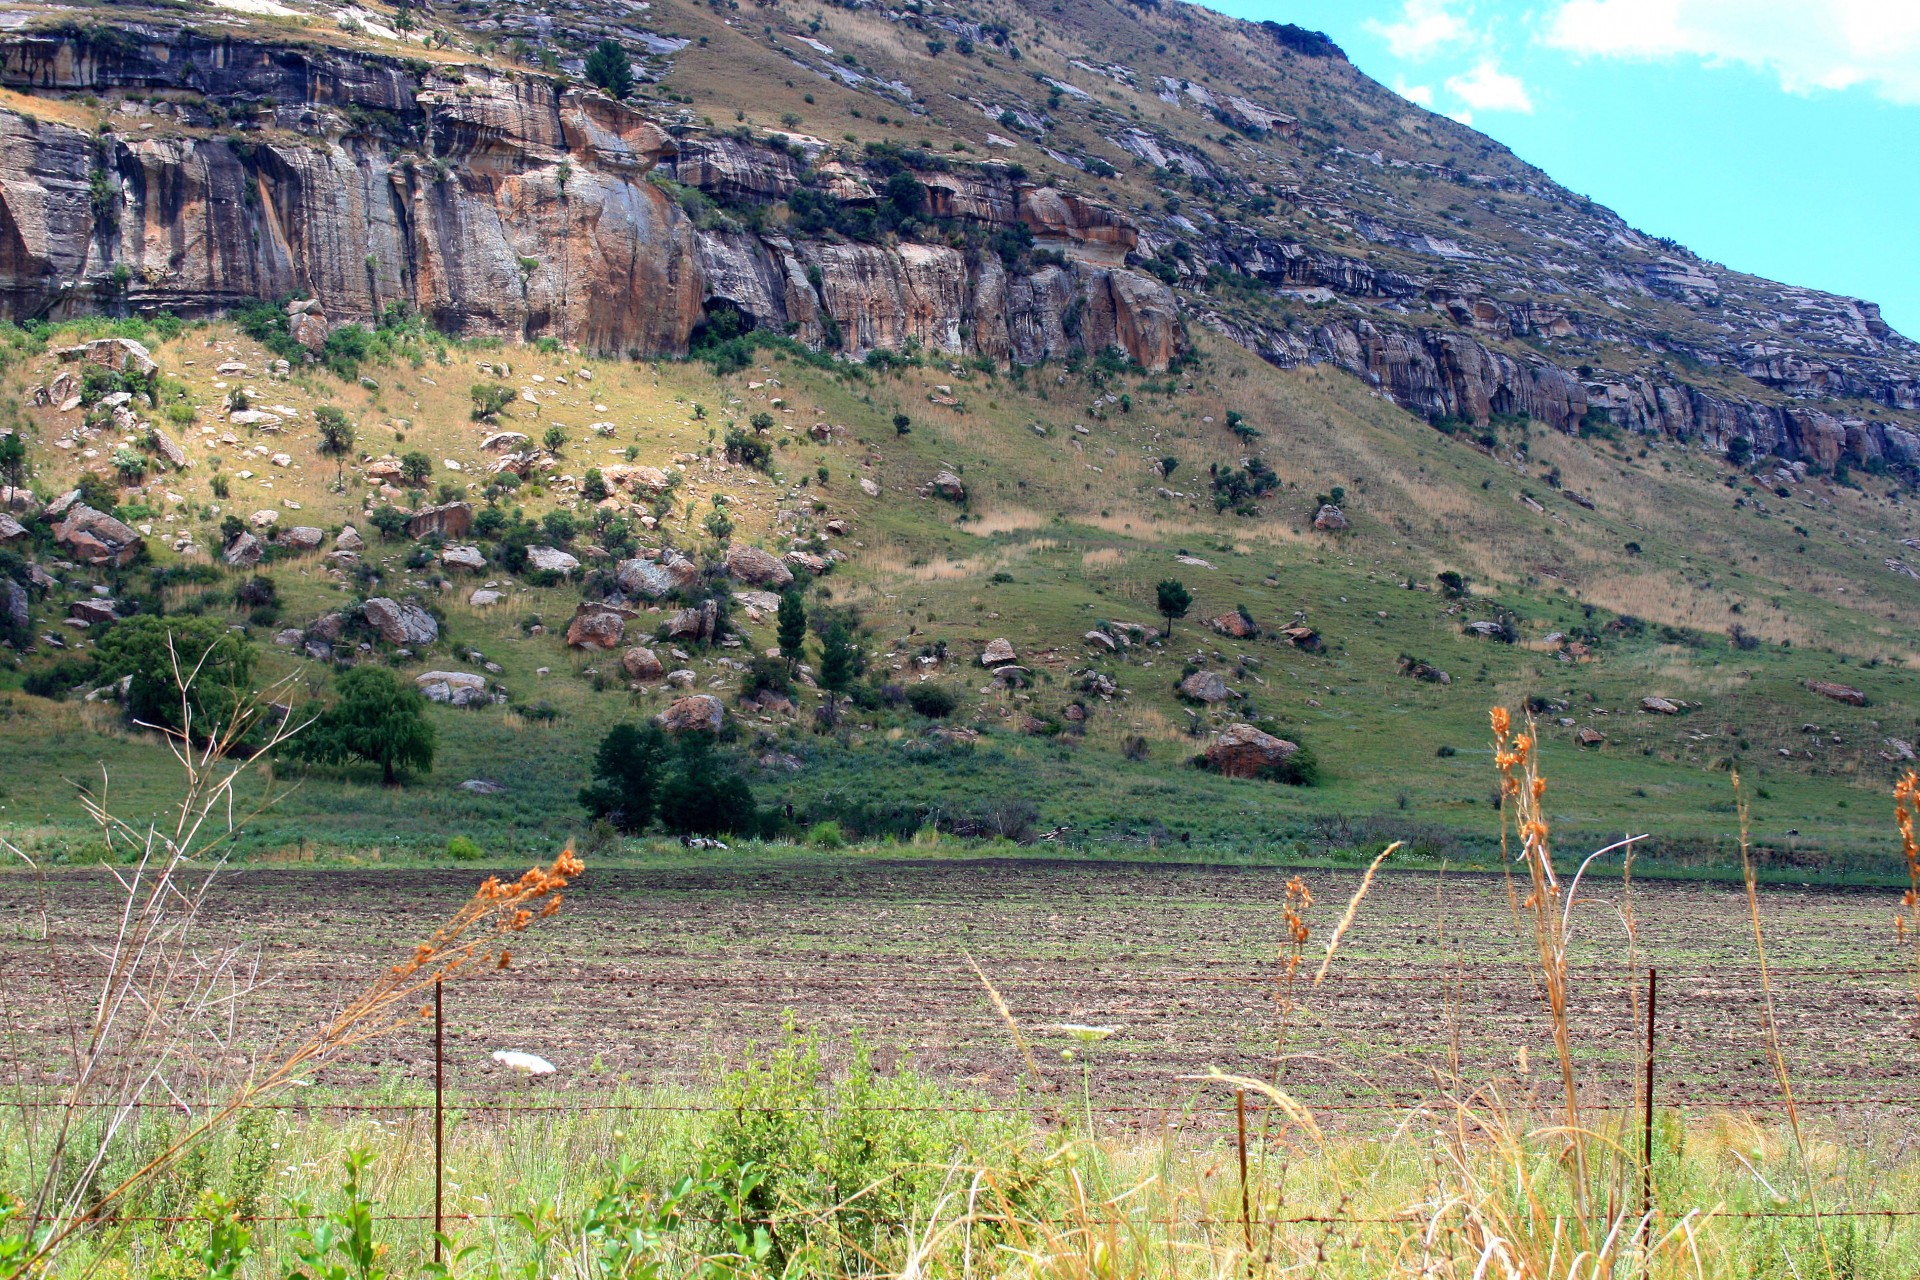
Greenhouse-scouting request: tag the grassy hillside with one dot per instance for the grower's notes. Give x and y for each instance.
(1065, 528)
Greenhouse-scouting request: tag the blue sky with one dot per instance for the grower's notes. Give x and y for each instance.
(1780, 137)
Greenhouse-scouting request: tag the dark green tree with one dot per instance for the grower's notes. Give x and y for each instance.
(705, 796)
(902, 424)
(792, 628)
(13, 459)
(628, 770)
(609, 67)
(377, 718)
(189, 674)
(839, 659)
(490, 400)
(1173, 600)
(336, 436)
(415, 468)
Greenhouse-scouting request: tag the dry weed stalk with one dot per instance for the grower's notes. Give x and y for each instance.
(1906, 920)
(1521, 790)
(166, 1011)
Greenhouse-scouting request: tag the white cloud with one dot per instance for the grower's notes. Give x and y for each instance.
(1424, 27)
(1418, 94)
(1808, 44)
(1488, 88)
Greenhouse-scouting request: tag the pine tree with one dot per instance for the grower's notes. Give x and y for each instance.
(609, 67)
(792, 628)
(1173, 599)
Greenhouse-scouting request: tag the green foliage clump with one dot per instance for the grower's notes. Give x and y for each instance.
(191, 675)
(934, 701)
(609, 68)
(461, 849)
(627, 768)
(377, 718)
(1172, 599)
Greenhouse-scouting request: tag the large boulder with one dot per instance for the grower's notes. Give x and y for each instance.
(596, 627)
(1330, 519)
(1242, 751)
(462, 556)
(641, 663)
(11, 530)
(402, 624)
(449, 520)
(551, 560)
(1838, 692)
(1659, 706)
(349, 539)
(998, 653)
(652, 579)
(946, 485)
(169, 449)
(123, 354)
(756, 567)
(94, 537)
(94, 611)
(14, 604)
(695, 623)
(456, 688)
(646, 480)
(1234, 624)
(302, 537)
(505, 442)
(1205, 686)
(699, 712)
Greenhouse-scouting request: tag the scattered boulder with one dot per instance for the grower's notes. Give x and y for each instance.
(349, 539)
(838, 528)
(456, 688)
(462, 556)
(681, 678)
(1205, 686)
(170, 450)
(1305, 639)
(123, 354)
(813, 564)
(94, 612)
(697, 622)
(596, 627)
(11, 530)
(1838, 692)
(302, 537)
(1659, 706)
(551, 560)
(482, 787)
(243, 552)
(1485, 630)
(1425, 671)
(1589, 738)
(310, 329)
(449, 520)
(265, 519)
(761, 601)
(998, 653)
(655, 578)
(1899, 749)
(946, 485)
(1234, 624)
(483, 597)
(756, 567)
(1330, 519)
(402, 624)
(504, 442)
(94, 537)
(14, 605)
(1101, 640)
(635, 479)
(641, 663)
(20, 502)
(869, 488)
(1242, 751)
(1577, 499)
(700, 712)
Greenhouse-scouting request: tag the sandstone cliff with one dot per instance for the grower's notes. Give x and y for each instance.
(503, 205)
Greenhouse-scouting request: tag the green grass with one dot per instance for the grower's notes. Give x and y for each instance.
(1063, 531)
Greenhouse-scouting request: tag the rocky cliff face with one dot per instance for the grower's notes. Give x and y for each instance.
(1459, 282)
(510, 206)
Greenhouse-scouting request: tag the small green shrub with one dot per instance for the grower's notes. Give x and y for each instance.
(461, 849)
(826, 835)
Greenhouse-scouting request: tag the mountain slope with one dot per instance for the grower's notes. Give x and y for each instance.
(1135, 376)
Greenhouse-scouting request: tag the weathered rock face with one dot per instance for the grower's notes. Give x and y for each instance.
(449, 520)
(653, 579)
(1242, 751)
(448, 180)
(402, 624)
(1838, 692)
(457, 688)
(756, 567)
(699, 713)
(641, 664)
(94, 537)
(596, 628)
(1205, 686)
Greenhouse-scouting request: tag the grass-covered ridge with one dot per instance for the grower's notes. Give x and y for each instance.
(1065, 529)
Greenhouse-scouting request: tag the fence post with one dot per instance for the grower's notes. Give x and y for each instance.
(439, 1113)
(1246, 1213)
(1646, 1141)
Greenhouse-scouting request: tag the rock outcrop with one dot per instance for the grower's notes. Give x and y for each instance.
(1242, 751)
(406, 624)
(696, 713)
(382, 179)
